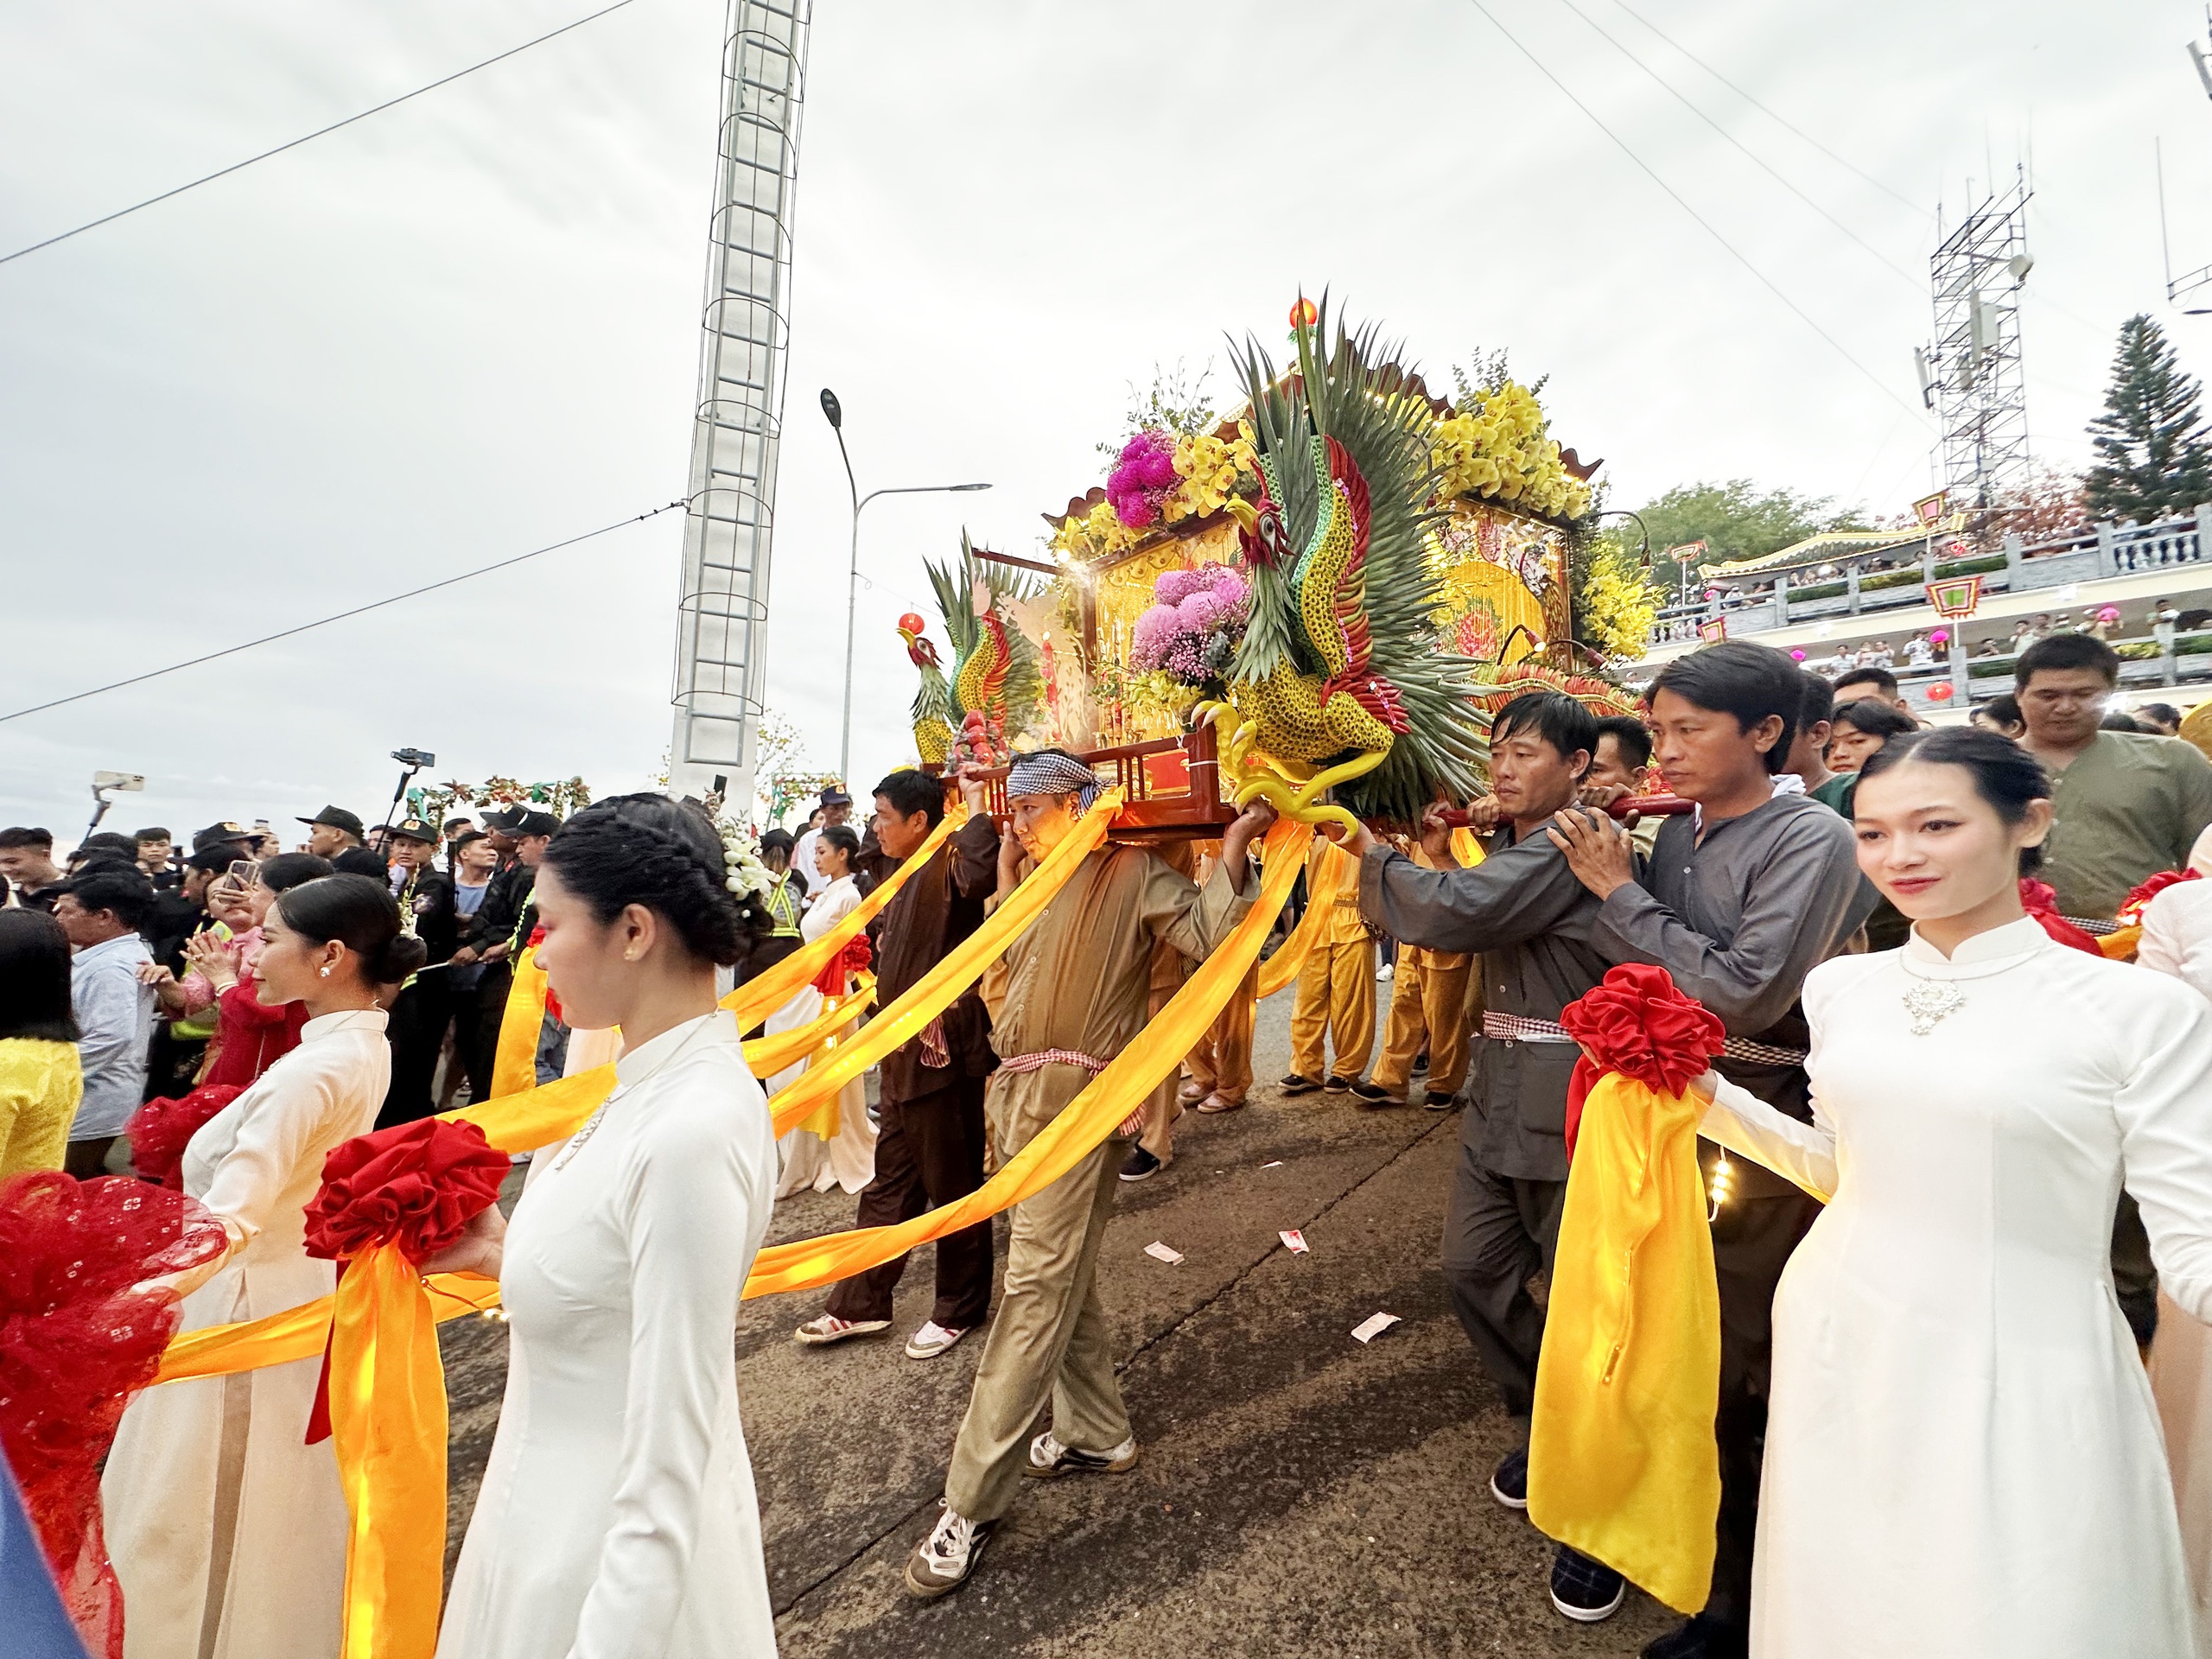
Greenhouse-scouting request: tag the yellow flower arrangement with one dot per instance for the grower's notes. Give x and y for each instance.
(1206, 470)
(1501, 451)
(1097, 534)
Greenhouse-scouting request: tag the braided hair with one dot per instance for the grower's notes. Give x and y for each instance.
(649, 850)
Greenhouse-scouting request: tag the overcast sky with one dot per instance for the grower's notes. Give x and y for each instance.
(469, 327)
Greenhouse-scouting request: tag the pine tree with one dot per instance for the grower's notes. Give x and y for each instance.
(2155, 454)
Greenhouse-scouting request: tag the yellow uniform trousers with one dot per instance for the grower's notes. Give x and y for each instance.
(1336, 996)
(1429, 1004)
(1222, 1063)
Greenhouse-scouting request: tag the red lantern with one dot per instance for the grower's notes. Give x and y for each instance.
(912, 623)
(1304, 315)
(1940, 692)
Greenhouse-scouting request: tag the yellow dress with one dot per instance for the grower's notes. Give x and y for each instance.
(39, 1086)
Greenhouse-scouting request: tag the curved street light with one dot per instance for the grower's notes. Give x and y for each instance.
(834, 412)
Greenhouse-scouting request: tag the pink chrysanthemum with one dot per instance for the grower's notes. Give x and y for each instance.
(1149, 639)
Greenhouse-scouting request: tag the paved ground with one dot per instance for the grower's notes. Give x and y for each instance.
(1299, 1493)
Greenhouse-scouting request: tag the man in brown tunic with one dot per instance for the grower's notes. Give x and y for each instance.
(1069, 994)
(929, 1148)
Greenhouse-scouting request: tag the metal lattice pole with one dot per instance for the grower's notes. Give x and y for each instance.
(722, 610)
(1974, 375)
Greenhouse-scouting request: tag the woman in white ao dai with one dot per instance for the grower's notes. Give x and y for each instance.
(617, 1516)
(1963, 1457)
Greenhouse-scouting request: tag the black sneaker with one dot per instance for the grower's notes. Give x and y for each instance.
(1509, 1482)
(1374, 1097)
(1141, 1165)
(1701, 1638)
(1584, 1591)
(1337, 1083)
(1297, 1084)
(1420, 1062)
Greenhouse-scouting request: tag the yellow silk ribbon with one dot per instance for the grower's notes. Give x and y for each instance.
(935, 990)
(1466, 847)
(388, 1429)
(1084, 1122)
(1622, 1460)
(301, 1331)
(514, 1064)
(1321, 888)
(758, 998)
(514, 1060)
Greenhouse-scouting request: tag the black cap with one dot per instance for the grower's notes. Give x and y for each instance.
(337, 817)
(835, 796)
(535, 823)
(214, 859)
(505, 820)
(415, 829)
(225, 834)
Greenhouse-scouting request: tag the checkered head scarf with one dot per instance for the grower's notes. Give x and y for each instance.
(1049, 773)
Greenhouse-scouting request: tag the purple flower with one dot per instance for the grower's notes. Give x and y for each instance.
(1187, 659)
(1143, 477)
(1230, 590)
(1149, 639)
(1202, 613)
(1173, 586)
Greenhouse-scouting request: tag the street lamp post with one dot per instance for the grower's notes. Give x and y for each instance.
(835, 414)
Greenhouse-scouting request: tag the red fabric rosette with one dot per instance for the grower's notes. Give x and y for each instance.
(388, 1200)
(160, 1130)
(80, 1332)
(415, 1185)
(2040, 899)
(2131, 909)
(834, 979)
(1637, 1023)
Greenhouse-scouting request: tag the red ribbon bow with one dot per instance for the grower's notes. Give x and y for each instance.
(2139, 898)
(1637, 1023)
(160, 1130)
(834, 979)
(2040, 899)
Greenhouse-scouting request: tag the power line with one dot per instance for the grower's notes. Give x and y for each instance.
(1705, 225)
(1848, 166)
(1757, 160)
(358, 610)
(109, 219)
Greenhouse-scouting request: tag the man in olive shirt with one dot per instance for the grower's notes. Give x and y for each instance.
(2125, 805)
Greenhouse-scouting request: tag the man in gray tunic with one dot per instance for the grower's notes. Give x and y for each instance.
(1738, 902)
(1534, 923)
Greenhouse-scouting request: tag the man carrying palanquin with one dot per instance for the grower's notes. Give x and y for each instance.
(1067, 996)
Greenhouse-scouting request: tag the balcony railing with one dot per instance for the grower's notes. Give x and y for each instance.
(2104, 550)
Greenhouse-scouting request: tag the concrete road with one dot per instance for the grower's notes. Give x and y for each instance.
(1299, 1493)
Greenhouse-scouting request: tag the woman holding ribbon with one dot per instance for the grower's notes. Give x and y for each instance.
(617, 1514)
(1962, 1455)
(835, 1147)
(228, 1530)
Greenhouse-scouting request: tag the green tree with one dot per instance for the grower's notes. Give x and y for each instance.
(2154, 457)
(1734, 519)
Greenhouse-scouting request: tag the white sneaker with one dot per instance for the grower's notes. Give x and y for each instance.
(1382, 973)
(1049, 1459)
(932, 1339)
(942, 1561)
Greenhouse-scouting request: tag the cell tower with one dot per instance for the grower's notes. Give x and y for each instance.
(723, 609)
(1971, 375)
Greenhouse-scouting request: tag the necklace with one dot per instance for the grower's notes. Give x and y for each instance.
(1931, 1001)
(591, 1124)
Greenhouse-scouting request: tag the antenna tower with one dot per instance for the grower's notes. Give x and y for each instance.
(722, 609)
(1971, 374)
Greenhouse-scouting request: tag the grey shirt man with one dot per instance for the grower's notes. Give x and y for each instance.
(1535, 925)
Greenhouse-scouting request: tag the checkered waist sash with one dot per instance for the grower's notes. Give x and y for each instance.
(1046, 1057)
(1515, 1028)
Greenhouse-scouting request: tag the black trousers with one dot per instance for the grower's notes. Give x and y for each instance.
(417, 1030)
(1498, 1230)
(1752, 1242)
(928, 1152)
(481, 1043)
